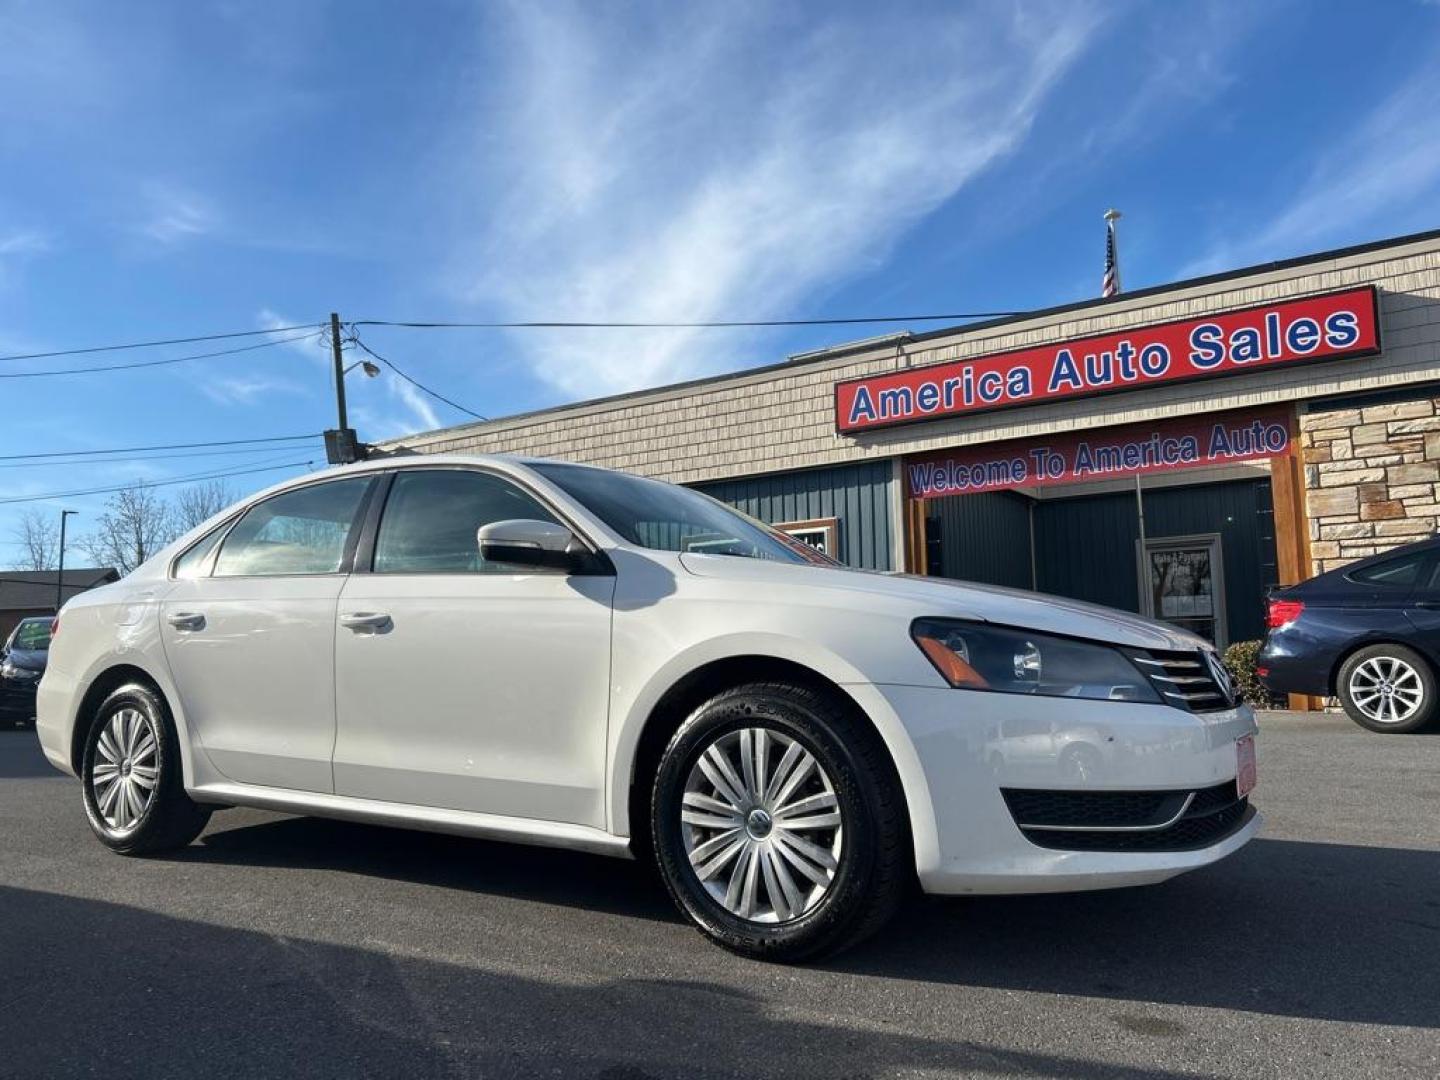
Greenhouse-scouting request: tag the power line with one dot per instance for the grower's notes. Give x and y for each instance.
(415, 382)
(545, 324)
(558, 325)
(154, 363)
(166, 446)
(73, 462)
(151, 484)
(167, 341)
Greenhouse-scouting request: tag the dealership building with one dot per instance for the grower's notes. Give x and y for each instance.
(1175, 451)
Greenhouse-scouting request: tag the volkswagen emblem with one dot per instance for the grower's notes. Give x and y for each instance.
(1221, 675)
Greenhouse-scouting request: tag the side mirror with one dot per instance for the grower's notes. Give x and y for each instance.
(525, 542)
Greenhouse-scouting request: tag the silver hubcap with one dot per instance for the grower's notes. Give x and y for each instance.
(1386, 690)
(762, 825)
(123, 778)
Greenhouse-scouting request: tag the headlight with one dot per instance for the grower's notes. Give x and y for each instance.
(979, 656)
(13, 671)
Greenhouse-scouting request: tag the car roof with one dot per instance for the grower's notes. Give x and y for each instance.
(407, 460)
(1418, 547)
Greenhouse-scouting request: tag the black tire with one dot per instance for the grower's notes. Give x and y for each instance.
(874, 868)
(1354, 671)
(169, 819)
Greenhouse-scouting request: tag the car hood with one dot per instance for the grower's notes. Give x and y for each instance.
(33, 659)
(956, 599)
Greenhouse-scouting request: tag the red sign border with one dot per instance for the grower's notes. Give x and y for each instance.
(1351, 354)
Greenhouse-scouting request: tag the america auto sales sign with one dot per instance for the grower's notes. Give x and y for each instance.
(1330, 326)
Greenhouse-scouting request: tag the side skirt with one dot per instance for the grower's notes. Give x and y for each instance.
(427, 818)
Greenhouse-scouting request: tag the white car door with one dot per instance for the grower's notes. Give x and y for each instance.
(250, 634)
(465, 684)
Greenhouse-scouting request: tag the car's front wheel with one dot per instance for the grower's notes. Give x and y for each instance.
(134, 792)
(1388, 688)
(779, 825)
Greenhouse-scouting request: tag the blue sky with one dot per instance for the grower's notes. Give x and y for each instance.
(190, 167)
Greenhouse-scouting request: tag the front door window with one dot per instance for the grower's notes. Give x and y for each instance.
(1182, 583)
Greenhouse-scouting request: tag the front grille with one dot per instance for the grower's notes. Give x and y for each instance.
(1187, 680)
(1128, 820)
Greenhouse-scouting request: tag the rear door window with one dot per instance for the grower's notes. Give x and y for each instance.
(303, 531)
(1393, 574)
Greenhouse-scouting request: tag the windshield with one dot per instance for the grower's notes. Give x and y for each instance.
(32, 634)
(669, 518)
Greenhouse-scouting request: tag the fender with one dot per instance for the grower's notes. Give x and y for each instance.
(630, 716)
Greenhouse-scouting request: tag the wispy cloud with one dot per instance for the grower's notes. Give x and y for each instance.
(24, 242)
(171, 215)
(403, 411)
(16, 246)
(313, 348)
(745, 163)
(413, 400)
(247, 388)
(1383, 177)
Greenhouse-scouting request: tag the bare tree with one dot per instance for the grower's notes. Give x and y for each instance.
(38, 536)
(136, 524)
(200, 502)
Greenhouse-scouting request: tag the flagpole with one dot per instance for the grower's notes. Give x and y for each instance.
(1112, 288)
(1113, 246)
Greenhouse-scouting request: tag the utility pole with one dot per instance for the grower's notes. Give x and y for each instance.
(60, 571)
(338, 352)
(341, 445)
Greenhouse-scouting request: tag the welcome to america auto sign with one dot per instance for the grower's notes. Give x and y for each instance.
(1109, 453)
(1331, 326)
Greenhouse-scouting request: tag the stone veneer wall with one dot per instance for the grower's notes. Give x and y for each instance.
(1372, 479)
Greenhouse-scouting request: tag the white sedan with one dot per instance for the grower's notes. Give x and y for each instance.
(557, 654)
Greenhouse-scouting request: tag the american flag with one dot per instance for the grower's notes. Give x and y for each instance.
(1110, 283)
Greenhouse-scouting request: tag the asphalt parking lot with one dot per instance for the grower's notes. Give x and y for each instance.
(278, 946)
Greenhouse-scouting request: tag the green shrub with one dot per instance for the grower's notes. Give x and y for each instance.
(1240, 661)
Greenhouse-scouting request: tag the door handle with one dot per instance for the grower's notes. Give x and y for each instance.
(186, 620)
(365, 620)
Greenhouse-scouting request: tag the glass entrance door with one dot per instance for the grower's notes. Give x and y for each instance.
(1182, 582)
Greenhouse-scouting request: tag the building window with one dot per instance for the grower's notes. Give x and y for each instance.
(822, 534)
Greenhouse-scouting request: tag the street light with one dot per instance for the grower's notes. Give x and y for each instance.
(371, 370)
(60, 572)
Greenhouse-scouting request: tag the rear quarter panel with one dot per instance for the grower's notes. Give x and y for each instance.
(1305, 655)
(109, 628)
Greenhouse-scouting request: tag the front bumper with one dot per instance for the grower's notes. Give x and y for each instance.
(17, 699)
(970, 745)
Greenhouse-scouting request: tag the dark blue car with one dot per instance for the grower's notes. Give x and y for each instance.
(1368, 633)
(22, 662)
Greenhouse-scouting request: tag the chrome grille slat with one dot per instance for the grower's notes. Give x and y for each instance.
(1168, 663)
(1185, 680)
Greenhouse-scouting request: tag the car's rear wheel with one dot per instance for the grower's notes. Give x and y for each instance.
(134, 792)
(778, 823)
(1388, 688)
